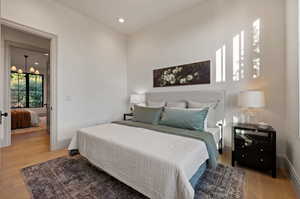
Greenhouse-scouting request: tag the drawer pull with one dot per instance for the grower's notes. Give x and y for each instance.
(261, 160)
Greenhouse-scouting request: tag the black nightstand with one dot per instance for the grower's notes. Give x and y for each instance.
(130, 115)
(254, 147)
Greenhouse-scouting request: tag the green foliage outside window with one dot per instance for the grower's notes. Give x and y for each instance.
(26, 90)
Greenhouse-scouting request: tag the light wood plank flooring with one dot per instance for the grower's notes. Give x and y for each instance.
(30, 149)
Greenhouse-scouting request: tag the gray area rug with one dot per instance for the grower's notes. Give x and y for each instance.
(76, 178)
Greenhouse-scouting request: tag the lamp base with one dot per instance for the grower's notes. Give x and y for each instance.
(250, 117)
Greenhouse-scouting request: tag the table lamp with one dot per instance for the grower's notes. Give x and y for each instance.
(136, 99)
(251, 100)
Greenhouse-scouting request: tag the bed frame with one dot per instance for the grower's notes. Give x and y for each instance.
(199, 96)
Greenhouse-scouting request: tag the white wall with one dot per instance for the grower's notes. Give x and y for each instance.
(196, 35)
(292, 92)
(25, 38)
(91, 63)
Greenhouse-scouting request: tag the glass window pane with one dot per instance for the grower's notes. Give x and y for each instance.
(18, 90)
(35, 91)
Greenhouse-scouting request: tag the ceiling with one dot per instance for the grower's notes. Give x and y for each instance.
(137, 13)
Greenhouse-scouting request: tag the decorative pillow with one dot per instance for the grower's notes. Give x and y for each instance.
(146, 114)
(156, 104)
(205, 121)
(211, 122)
(176, 104)
(184, 118)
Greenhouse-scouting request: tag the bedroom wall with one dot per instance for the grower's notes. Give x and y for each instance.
(197, 33)
(292, 91)
(25, 38)
(91, 63)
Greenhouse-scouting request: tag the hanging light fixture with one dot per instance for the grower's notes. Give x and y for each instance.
(26, 57)
(13, 68)
(31, 70)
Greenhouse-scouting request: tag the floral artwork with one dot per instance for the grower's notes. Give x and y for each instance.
(189, 74)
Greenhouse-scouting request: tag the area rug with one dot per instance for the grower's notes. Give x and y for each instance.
(76, 178)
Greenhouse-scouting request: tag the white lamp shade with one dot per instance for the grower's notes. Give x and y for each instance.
(13, 68)
(137, 99)
(251, 99)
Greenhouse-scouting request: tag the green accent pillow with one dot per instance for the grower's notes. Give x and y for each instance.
(184, 118)
(147, 115)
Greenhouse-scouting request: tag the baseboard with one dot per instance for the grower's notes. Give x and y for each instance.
(62, 144)
(293, 175)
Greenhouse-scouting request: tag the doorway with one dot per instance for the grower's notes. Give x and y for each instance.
(29, 80)
(28, 90)
(27, 62)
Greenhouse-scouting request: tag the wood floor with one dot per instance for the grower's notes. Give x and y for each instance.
(30, 149)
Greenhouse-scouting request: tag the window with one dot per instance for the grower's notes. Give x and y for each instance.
(238, 56)
(256, 62)
(221, 64)
(27, 90)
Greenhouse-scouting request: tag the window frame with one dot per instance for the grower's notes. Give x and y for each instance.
(27, 79)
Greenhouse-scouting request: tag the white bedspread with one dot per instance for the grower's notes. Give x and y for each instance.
(35, 119)
(156, 164)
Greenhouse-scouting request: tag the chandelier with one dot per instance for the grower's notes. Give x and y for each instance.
(31, 69)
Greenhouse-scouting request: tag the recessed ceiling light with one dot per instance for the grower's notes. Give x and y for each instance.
(36, 63)
(121, 20)
(46, 54)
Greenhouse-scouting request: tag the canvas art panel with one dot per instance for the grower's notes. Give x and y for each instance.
(182, 75)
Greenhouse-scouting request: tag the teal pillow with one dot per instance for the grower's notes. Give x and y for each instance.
(184, 118)
(147, 114)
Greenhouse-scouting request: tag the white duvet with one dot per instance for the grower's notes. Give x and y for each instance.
(35, 119)
(156, 164)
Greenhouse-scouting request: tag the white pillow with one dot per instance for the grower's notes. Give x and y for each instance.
(155, 104)
(176, 104)
(211, 122)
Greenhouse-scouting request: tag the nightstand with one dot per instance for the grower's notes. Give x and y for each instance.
(254, 147)
(126, 115)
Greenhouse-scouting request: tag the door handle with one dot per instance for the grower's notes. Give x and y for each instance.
(2, 115)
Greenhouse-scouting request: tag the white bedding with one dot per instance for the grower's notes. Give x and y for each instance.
(156, 164)
(35, 119)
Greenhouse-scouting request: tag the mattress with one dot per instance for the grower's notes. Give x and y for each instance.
(142, 152)
(196, 177)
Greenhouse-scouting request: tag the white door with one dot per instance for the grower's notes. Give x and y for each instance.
(5, 139)
(48, 102)
(1, 100)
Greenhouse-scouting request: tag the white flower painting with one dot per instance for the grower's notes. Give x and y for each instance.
(189, 74)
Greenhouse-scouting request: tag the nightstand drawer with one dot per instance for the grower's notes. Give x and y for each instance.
(261, 161)
(258, 147)
(264, 162)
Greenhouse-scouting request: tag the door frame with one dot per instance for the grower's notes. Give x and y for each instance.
(53, 79)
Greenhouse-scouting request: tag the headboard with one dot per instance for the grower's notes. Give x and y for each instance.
(198, 96)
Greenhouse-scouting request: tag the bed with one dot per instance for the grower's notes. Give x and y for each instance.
(158, 161)
(200, 96)
(24, 118)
